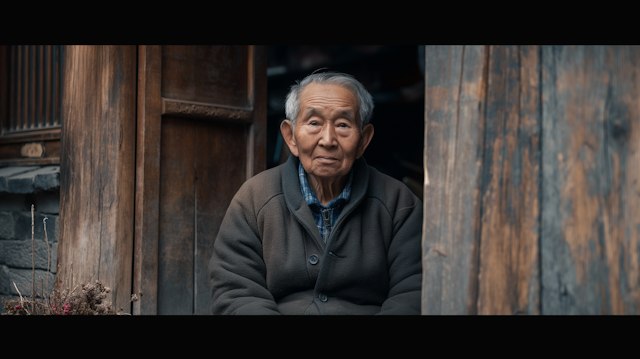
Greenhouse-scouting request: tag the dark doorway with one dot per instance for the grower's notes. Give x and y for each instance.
(394, 75)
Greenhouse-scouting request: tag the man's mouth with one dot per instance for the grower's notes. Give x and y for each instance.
(326, 159)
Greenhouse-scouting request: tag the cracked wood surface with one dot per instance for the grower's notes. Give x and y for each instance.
(533, 205)
(591, 184)
(97, 167)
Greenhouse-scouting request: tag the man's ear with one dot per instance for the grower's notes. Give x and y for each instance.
(286, 127)
(367, 135)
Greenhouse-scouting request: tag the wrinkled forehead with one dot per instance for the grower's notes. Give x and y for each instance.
(322, 94)
(313, 111)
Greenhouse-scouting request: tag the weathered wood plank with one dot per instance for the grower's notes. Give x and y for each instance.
(5, 95)
(176, 229)
(204, 163)
(509, 261)
(50, 150)
(221, 156)
(590, 243)
(455, 83)
(200, 110)
(257, 137)
(97, 166)
(145, 266)
(210, 74)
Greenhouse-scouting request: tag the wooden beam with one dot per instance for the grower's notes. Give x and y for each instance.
(191, 109)
(590, 243)
(509, 257)
(455, 84)
(149, 118)
(257, 145)
(97, 167)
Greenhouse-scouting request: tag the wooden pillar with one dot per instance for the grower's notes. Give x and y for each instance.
(145, 275)
(533, 198)
(455, 84)
(98, 167)
(590, 241)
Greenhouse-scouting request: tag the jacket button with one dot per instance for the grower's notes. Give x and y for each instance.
(313, 259)
(323, 297)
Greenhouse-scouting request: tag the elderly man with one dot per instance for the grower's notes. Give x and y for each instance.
(323, 233)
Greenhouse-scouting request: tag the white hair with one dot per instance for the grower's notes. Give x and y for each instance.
(365, 100)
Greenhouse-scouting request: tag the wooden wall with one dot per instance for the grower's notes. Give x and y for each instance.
(533, 198)
(156, 141)
(202, 133)
(97, 167)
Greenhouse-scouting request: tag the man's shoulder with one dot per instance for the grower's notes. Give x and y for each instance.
(261, 187)
(390, 191)
(267, 176)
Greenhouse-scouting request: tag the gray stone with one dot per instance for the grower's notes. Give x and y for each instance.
(5, 280)
(6, 225)
(47, 178)
(41, 179)
(7, 172)
(21, 183)
(22, 278)
(18, 254)
(22, 226)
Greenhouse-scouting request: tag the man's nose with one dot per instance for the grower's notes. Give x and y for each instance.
(328, 136)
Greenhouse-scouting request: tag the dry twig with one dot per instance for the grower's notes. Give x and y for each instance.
(46, 240)
(91, 300)
(33, 261)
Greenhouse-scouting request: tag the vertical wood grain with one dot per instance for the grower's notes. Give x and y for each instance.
(509, 261)
(6, 92)
(554, 200)
(455, 84)
(220, 171)
(590, 241)
(97, 167)
(257, 151)
(176, 229)
(203, 162)
(210, 74)
(145, 266)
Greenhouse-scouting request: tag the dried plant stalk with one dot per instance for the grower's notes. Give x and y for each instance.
(89, 301)
(46, 240)
(33, 261)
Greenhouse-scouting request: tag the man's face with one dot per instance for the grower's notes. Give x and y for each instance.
(327, 137)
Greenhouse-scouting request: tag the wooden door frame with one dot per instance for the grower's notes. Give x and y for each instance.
(147, 185)
(151, 107)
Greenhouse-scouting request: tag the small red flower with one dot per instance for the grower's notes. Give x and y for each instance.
(18, 307)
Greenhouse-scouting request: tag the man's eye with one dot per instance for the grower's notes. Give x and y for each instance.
(343, 125)
(313, 123)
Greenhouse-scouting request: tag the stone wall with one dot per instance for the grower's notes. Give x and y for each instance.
(20, 187)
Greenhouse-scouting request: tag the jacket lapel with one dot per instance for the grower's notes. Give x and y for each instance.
(358, 192)
(297, 205)
(295, 202)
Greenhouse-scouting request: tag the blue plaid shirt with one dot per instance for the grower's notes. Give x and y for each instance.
(325, 216)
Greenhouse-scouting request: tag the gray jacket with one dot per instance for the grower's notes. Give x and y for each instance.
(269, 257)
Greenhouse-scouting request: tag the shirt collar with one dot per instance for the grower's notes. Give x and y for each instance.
(310, 196)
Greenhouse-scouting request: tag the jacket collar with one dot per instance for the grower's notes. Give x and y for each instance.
(297, 205)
